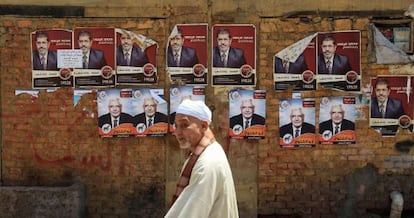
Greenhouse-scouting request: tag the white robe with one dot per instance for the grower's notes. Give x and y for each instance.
(210, 192)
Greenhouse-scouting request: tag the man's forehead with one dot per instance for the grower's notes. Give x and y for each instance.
(184, 117)
(178, 36)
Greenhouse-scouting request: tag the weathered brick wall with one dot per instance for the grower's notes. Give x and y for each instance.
(64, 202)
(47, 141)
(314, 182)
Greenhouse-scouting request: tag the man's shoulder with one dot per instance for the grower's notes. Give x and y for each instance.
(286, 126)
(126, 115)
(324, 123)
(308, 125)
(188, 49)
(159, 114)
(395, 101)
(236, 50)
(140, 115)
(238, 116)
(96, 51)
(104, 116)
(341, 57)
(259, 117)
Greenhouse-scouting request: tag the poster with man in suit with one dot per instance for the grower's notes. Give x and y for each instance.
(339, 60)
(297, 122)
(115, 113)
(135, 58)
(247, 113)
(337, 120)
(187, 54)
(294, 66)
(391, 103)
(97, 67)
(234, 55)
(46, 73)
(151, 109)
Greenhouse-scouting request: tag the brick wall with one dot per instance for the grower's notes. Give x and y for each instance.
(47, 141)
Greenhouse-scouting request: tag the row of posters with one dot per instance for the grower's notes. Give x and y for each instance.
(105, 57)
(144, 111)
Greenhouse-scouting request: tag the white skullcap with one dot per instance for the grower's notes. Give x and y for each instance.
(196, 109)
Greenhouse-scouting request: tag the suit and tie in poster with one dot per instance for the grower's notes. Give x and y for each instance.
(115, 113)
(247, 112)
(135, 58)
(179, 94)
(151, 109)
(295, 66)
(186, 54)
(46, 71)
(132, 112)
(234, 55)
(391, 104)
(297, 122)
(337, 120)
(97, 67)
(339, 60)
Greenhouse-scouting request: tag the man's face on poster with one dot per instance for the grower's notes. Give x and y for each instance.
(328, 48)
(115, 108)
(337, 114)
(42, 45)
(176, 42)
(150, 107)
(85, 43)
(126, 42)
(382, 92)
(247, 109)
(296, 117)
(223, 42)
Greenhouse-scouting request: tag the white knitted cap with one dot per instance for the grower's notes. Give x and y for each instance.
(196, 109)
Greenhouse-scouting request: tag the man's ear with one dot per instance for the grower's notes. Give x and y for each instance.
(204, 125)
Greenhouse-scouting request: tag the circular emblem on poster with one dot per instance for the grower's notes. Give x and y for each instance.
(106, 72)
(65, 73)
(246, 71)
(199, 70)
(237, 129)
(308, 76)
(327, 134)
(141, 127)
(405, 121)
(149, 70)
(287, 138)
(106, 128)
(351, 77)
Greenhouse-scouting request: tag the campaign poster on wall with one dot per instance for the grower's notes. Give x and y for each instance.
(187, 54)
(234, 55)
(178, 94)
(247, 114)
(48, 69)
(151, 112)
(132, 112)
(337, 120)
(96, 67)
(297, 122)
(115, 113)
(391, 104)
(136, 61)
(339, 60)
(295, 66)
